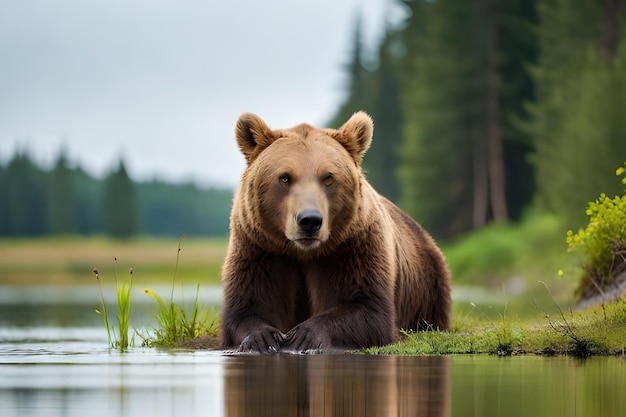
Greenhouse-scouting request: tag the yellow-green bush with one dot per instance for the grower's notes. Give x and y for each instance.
(602, 244)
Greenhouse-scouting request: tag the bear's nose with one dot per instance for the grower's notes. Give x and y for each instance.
(309, 221)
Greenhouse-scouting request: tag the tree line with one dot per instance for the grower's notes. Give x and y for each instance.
(485, 108)
(66, 200)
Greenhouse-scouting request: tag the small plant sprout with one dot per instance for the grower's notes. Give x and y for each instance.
(467, 315)
(103, 313)
(581, 345)
(124, 290)
(176, 268)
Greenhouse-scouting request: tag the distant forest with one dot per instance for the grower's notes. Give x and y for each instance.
(485, 109)
(66, 200)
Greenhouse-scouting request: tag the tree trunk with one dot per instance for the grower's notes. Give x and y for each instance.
(612, 24)
(494, 139)
(481, 184)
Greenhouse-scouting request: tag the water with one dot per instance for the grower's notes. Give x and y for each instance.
(54, 361)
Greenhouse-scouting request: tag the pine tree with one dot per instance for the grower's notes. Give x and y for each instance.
(4, 207)
(24, 198)
(174, 210)
(517, 50)
(358, 86)
(119, 207)
(89, 192)
(444, 155)
(382, 160)
(376, 88)
(494, 137)
(578, 124)
(62, 198)
(464, 152)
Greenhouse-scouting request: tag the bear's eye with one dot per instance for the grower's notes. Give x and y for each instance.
(328, 180)
(285, 178)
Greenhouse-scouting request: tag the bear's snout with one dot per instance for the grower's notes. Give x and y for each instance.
(309, 221)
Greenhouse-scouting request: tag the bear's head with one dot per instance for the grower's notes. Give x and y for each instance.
(302, 186)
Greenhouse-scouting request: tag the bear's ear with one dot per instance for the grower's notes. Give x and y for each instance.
(356, 135)
(253, 135)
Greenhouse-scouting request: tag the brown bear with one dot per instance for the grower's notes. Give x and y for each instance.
(317, 259)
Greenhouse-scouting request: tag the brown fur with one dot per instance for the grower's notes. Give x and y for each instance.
(317, 259)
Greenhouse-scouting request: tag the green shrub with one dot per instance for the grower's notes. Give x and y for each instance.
(531, 248)
(601, 246)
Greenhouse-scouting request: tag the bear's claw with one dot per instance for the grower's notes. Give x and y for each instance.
(262, 341)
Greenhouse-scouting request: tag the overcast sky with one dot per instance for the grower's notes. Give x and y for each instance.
(162, 83)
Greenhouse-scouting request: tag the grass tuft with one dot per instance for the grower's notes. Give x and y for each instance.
(103, 313)
(123, 291)
(174, 324)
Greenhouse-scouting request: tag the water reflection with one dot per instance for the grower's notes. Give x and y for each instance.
(538, 386)
(337, 385)
(54, 361)
(73, 377)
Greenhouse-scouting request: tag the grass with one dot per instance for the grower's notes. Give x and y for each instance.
(174, 324)
(599, 330)
(532, 248)
(176, 327)
(526, 320)
(67, 260)
(104, 314)
(511, 260)
(123, 292)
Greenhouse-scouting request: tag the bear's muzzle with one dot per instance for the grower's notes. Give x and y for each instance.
(309, 222)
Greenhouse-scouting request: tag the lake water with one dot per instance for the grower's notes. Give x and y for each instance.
(54, 361)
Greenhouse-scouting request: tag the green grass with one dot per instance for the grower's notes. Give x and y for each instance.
(68, 260)
(599, 330)
(123, 290)
(511, 261)
(528, 319)
(174, 324)
(103, 313)
(534, 248)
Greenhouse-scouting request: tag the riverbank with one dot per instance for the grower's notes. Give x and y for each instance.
(595, 331)
(509, 297)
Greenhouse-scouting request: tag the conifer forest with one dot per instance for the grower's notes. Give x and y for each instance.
(483, 110)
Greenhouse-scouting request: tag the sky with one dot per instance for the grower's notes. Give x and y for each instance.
(161, 83)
